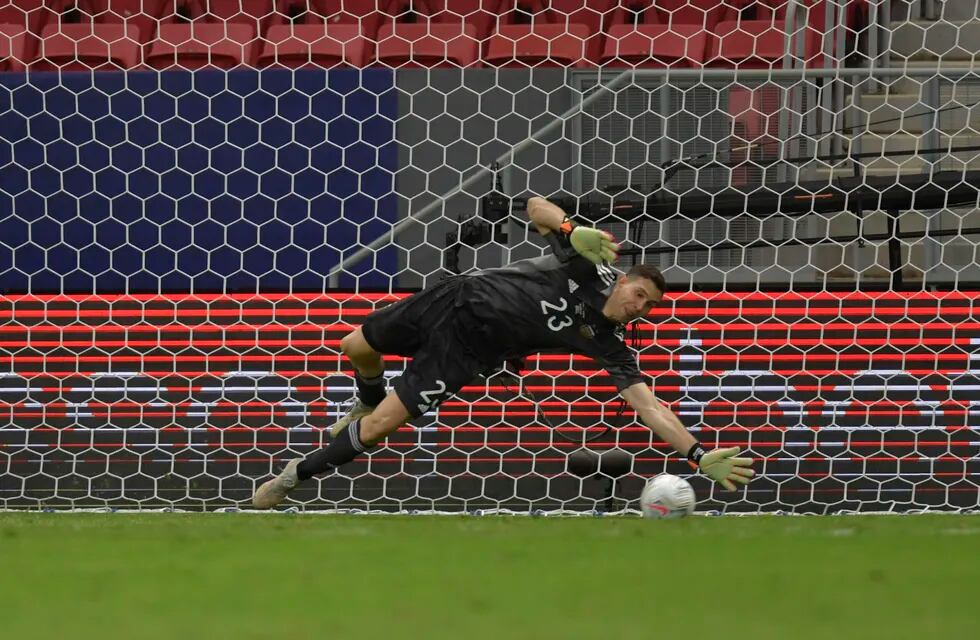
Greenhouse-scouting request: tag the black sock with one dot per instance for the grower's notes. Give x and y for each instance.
(341, 450)
(371, 391)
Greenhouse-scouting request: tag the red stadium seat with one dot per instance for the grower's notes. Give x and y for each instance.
(409, 38)
(669, 33)
(259, 14)
(322, 33)
(88, 45)
(14, 41)
(364, 13)
(314, 45)
(480, 14)
(139, 13)
(427, 44)
(30, 15)
(202, 44)
(543, 33)
(757, 37)
(20, 22)
(177, 11)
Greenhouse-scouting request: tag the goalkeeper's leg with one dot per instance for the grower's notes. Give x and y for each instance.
(439, 368)
(368, 375)
(359, 436)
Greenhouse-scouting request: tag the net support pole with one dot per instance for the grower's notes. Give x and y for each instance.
(931, 163)
(504, 161)
(895, 249)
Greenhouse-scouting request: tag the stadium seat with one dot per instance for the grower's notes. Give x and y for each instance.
(481, 14)
(669, 33)
(322, 33)
(177, 11)
(88, 46)
(20, 23)
(757, 37)
(13, 47)
(427, 44)
(542, 33)
(202, 44)
(410, 38)
(142, 14)
(314, 45)
(364, 13)
(258, 14)
(33, 14)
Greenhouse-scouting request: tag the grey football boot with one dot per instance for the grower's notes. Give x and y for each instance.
(275, 491)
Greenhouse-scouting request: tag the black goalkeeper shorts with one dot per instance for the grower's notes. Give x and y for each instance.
(434, 329)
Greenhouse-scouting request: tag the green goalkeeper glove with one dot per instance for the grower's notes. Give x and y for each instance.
(594, 245)
(722, 466)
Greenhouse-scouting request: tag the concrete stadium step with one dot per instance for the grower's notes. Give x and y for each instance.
(873, 143)
(959, 10)
(915, 85)
(931, 40)
(889, 105)
(951, 10)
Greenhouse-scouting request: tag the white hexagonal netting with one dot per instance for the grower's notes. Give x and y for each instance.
(198, 200)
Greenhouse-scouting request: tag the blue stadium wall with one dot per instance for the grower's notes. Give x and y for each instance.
(195, 181)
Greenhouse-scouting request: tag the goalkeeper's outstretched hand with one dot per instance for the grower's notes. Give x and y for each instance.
(723, 467)
(594, 245)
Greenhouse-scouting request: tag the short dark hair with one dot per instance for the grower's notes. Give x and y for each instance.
(651, 273)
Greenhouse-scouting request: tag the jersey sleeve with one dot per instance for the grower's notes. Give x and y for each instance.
(561, 246)
(618, 360)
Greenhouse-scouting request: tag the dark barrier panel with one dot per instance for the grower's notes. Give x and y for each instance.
(203, 181)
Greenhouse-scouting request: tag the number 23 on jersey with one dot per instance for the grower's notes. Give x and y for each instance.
(557, 320)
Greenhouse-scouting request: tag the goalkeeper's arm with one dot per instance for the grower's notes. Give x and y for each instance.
(594, 245)
(720, 465)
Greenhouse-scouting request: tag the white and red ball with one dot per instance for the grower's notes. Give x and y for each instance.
(666, 497)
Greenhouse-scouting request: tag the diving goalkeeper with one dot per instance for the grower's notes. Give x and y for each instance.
(571, 301)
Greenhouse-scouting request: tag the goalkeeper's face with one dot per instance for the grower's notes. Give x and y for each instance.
(633, 298)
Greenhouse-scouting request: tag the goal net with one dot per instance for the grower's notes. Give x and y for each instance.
(198, 200)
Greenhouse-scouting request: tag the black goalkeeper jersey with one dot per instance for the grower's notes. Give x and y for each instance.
(551, 303)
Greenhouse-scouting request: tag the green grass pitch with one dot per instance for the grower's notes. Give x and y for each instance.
(241, 576)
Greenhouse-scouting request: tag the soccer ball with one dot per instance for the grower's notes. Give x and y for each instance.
(667, 496)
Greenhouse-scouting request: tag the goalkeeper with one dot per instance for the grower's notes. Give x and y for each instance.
(571, 301)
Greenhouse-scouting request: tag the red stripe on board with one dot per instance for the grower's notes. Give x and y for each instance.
(779, 296)
(644, 328)
(199, 297)
(907, 405)
(202, 327)
(50, 412)
(710, 359)
(655, 316)
(323, 373)
(451, 446)
(673, 388)
(501, 428)
(666, 448)
(335, 344)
